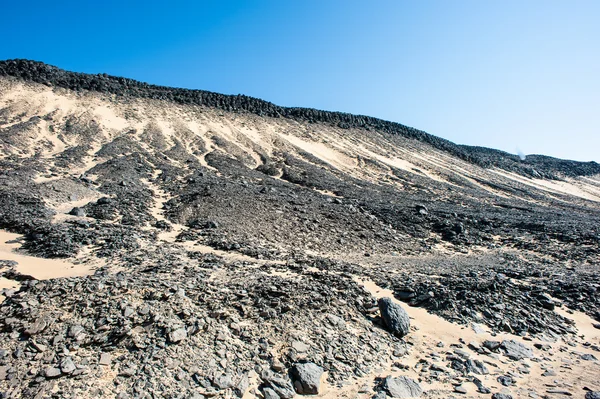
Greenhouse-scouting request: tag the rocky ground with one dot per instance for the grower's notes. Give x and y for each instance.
(181, 244)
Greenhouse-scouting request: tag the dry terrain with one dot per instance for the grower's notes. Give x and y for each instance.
(159, 242)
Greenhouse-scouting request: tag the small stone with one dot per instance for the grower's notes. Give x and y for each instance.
(37, 327)
(300, 346)
(278, 366)
(38, 347)
(75, 330)
(67, 366)
(491, 345)
(177, 335)
(402, 387)
(477, 328)
(224, 381)
(307, 378)
(105, 359)
(268, 393)
(280, 385)
(505, 380)
(476, 367)
(52, 372)
(128, 312)
(460, 389)
(516, 350)
(559, 392)
(80, 212)
(474, 346)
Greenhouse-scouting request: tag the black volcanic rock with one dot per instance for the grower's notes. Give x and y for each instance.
(395, 317)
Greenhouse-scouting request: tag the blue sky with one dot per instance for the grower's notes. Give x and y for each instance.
(513, 75)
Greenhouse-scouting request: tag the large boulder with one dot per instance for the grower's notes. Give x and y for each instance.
(307, 378)
(395, 317)
(402, 387)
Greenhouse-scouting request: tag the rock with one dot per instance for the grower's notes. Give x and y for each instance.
(80, 212)
(242, 385)
(280, 385)
(37, 327)
(477, 328)
(516, 350)
(268, 393)
(405, 294)
(421, 209)
(307, 378)
(395, 317)
(278, 365)
(491, 345)
(559, 392)
(592, 395)
(177, 335)
(3, 372)
(67, 366)
(224, 381)
(462, 353)
(480, 387)
(75, 331)
(473, 345)
(104, 201)
(52, 372)
(476, 367)
(128, 312)
(505, 380)
(105, 359)
(501, 396)
(300, 346)
(460, 389)
(37, 346)
(546, 301)
(402, 387)
(544, 347)
(589, 357)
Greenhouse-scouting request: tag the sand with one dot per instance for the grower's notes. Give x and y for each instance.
(427, 330)
(39, 268)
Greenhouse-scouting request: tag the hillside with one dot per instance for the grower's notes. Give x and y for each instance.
(161, 242)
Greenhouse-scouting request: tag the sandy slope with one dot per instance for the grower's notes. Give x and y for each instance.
(248, 136)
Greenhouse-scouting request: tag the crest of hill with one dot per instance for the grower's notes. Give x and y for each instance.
(533, 166)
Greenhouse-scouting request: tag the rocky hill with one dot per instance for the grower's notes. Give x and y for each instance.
(161, 242)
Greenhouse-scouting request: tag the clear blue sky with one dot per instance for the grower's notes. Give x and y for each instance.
(505, 74)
